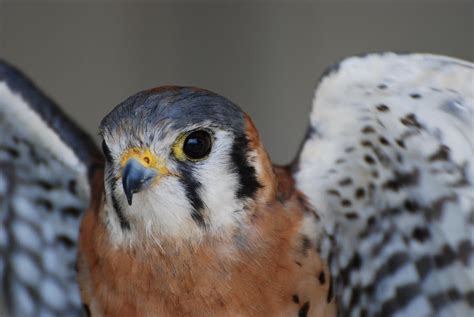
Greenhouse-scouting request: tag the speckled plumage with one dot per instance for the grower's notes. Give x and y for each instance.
(381, 192)
(42, 196)
(389, 166)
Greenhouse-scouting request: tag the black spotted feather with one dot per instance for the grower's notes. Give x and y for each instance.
(44, 165)
(390, 171)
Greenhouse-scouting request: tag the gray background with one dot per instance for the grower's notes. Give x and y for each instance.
(266, 56)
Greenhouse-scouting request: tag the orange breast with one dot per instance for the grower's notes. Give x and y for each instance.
(267, 270)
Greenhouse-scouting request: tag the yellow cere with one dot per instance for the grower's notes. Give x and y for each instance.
(146, 158)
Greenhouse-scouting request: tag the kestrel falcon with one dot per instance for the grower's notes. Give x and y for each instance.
(183, 213)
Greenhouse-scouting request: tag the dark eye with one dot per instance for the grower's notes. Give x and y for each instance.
(197, 145)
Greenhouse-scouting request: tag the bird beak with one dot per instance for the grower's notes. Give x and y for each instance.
(140, 167)
(136, 177)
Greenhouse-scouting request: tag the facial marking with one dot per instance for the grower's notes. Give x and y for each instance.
(197, 145)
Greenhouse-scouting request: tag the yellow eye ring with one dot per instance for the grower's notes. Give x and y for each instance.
(193, 145)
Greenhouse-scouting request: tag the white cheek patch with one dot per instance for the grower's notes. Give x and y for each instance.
(219, 184)
(164, 209)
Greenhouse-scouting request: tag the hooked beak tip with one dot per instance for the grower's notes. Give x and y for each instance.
(136, 177)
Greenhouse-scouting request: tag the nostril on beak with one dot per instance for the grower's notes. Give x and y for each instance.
(136, 177)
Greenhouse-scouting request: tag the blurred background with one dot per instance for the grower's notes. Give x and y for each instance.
(266, 56)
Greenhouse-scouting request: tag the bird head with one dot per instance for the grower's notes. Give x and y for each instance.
(181, 162)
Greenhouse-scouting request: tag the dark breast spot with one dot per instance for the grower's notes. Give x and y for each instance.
(303, 312)
(295, 299)
(305, 245)
(330, 294)
(87, 311)
(322, 278)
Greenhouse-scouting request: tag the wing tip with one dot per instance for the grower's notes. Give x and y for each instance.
(9, 73)
(69, 132)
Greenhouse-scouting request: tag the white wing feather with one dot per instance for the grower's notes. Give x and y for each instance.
(44, 188)
(388, 164)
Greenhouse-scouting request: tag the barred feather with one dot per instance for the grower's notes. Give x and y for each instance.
(44, 160)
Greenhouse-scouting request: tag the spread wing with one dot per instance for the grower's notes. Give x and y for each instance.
(388, 164)
(44, 188)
